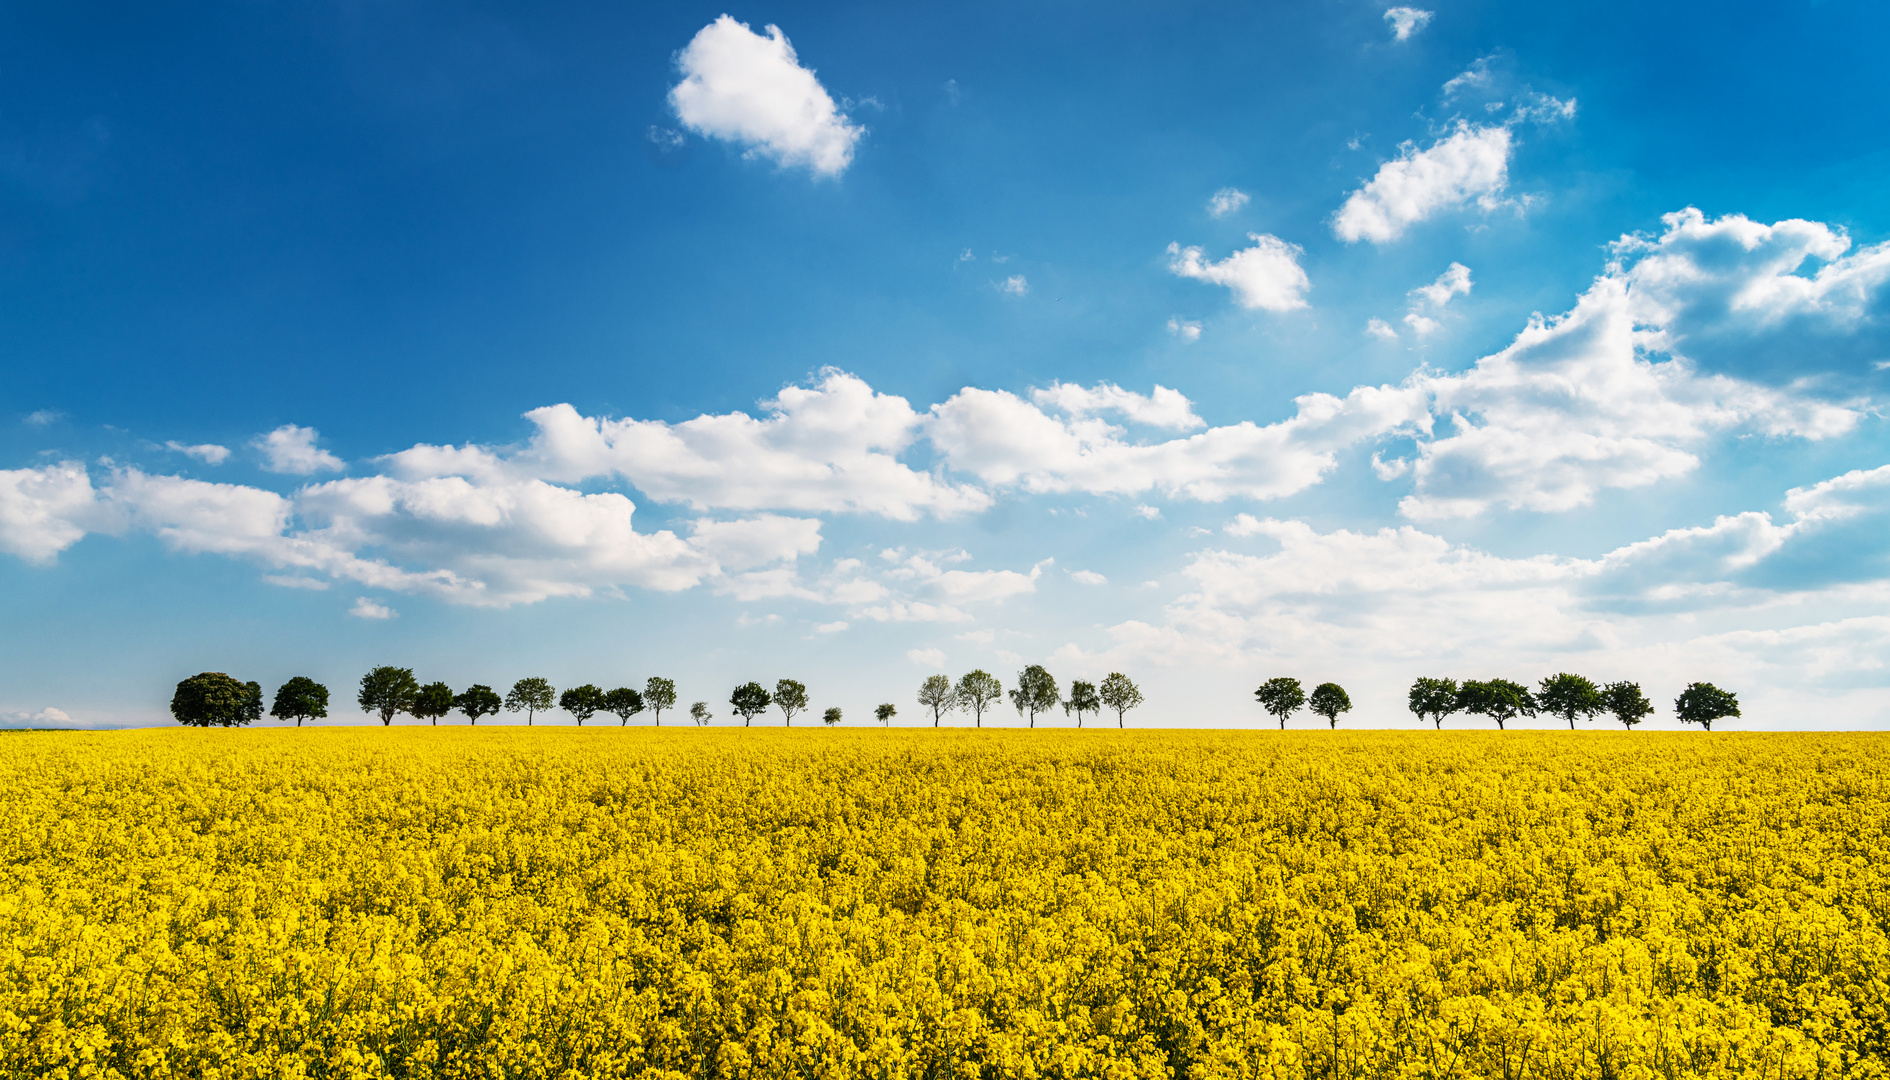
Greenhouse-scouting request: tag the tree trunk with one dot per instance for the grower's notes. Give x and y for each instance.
(1499, 724)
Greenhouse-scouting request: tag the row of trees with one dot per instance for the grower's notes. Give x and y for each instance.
(1566, 696)
(1035, 692)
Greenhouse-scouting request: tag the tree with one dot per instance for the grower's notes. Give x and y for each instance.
(434, 700)
(299, 699)
(750, 700)
(1329, 699)
(1036, 692)
(1625, 701)
(659, 694)
(699, 712)
(213, 699)
(1082, 699)
(582, 702)
(1702, 703)
(476, 701)
(625, 702)
(529, 696)
(1498, 699)
(790, 697)
(1280, 696)
(936, 693)
(1118, 693)
(885, 713)
(831, 716)
(976, 691)
(1434, 698)
(1569, 696)
(388, 691)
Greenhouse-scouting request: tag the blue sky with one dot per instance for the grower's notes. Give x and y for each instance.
(855, 343)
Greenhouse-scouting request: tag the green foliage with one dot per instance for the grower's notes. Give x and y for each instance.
(659, 694)
(299, 699)
(1702, 703)
(625, 703)
(213, 699)
(831, 716)
(750, 699)
(1498, 699)
(790, 697)
(885, 713)
(1626, 702)
(1118, 692)
(582, 702)
(976, 691)
(936, 693)
(699, 712)
(1280, 696)
(1434, 699)
(434, 700)
(476, 701)
(1329, 700)
(1082, 699)
(529, 696)
(1036, 692)
(388, 692)
(1569, 696)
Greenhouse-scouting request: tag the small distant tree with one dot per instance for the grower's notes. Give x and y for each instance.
(476, 701)
(790, 697)
(1082, 699)
(582, 702)
(299, 699)
(1569, 696)
(885, 713)
(1119, 693)
(388, 692)
(750, 699)
(1498, 699)
(659, 694)
(1329, 700)
(831, 716)
(213, 699)
(1036, 692)
(434, 700)
(1280, 696)
(626, 703)
(699, 712)
(1627, 703)
(936, 693)
(1434, 699)
(1702, 703)
(529, 696)
(977, 691)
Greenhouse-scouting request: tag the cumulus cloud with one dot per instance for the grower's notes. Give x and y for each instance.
(1454, 281)
(1015, 285)
(46, 510)
(1088, 577)
(291, 449)
(208, 453)
(746, 543)
(1164, 408)
(1185, 329)
(751, 89)
(1227, 201)
(48, 717)
(1405, 21)
(43, 417)
(1266, 276)
(927, 657)
(1471, 163)
(367, 609)
(1380, 329)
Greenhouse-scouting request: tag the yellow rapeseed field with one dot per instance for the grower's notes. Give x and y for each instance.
(441, 902)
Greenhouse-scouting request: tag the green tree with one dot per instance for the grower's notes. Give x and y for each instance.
(1281, 696)
(790, 697)
(1702, 703)
(936, 693)
(1627, 703)
(885, 713)
(750, 700)
(1119, 693)
(529, 696)
(582, 702)
(659, 694)
(1498, 699)
(299, 699)
(626, 703)
(1434, 699)
(388, 692)
(433, 701)
(1329, 700)
(1036, 692)
(699, 712)
(1082, 699)
(1569, 696)
(213, 699)
(476, 701)
(976, 692)
(831, 716)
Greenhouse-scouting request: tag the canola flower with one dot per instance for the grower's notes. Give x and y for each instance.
(702, 903)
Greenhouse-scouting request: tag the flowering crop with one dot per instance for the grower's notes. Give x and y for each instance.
(688, 902)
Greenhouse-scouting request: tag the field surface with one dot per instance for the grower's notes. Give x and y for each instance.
(446, 902)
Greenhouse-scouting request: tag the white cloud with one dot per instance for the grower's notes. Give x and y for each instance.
(48, 717)
(750, 542)
(927, 657)
(1227, 201)
(664, 138)
(1422, 325)
(291, 449)
(1015, 285)
(1477, 76)
(1088, 577)
(1380, 329)
(46, 510)
(745, 88)
(1406, 21)
(367, 609)
(1471, 163)
(1164, 408)
(830, 627)
(1185, 329)
(1266, 276)
(208, 453)
(297, 581)
(1147, 513)
(43, 417)
(1454, 281)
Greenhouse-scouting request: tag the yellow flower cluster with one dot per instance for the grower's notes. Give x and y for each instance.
(696, 903)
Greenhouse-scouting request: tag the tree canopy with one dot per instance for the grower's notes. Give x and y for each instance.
(884, 713)
(1036, 692)
(1627, 703)
(749, 700)
(433, 701)
(659, 694)
(582, 702)
(976, 691)
(299, 699)
(936, 693)
(1082, 699)
(1498, 699)
(476, 701)
(1434, 699)
(214, 699)
(1702, 703)
(1569, 696)
(1329, 700)
(529, 696)
(699, 712)
(1281, 696)
(1120, 693)
(625, 703)
(387, 692)
(790, 697)
(831, 716)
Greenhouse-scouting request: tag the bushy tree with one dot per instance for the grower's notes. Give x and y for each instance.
(1702, 703)
(699, 712)
(1498, 699)
(1281, 696)
(1569, 696)
(299, 699)
(582, 702)
(1434, 699)
(936, 693)
(831, 716)
(1120, 693)
(1036, 692)
(1627, 703)
(790, 697)
(1329, 700)
(976, 692)
(1082, 699)
(625, 702)
(476, 701)
(529, 696)
(213, 699)
(387, 692)
(885, 713)
(433, 701)
(750, 699)
(659, 694)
